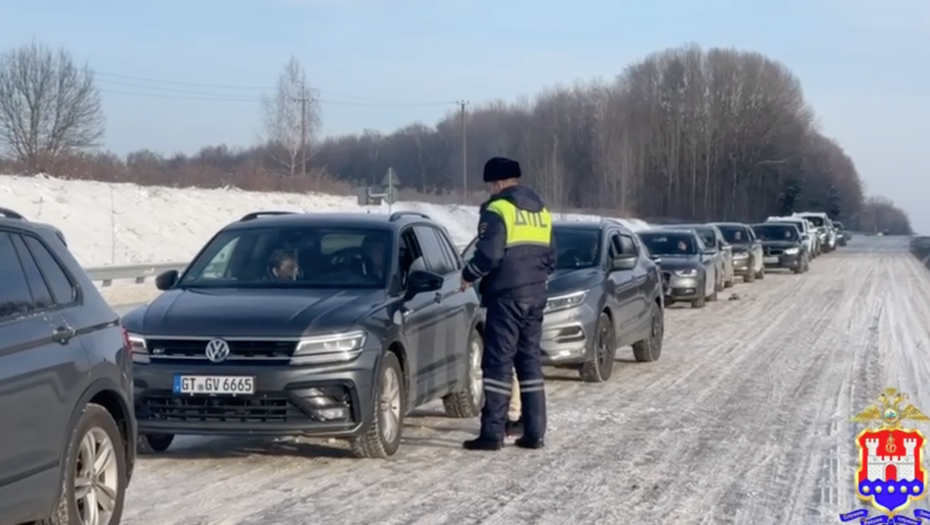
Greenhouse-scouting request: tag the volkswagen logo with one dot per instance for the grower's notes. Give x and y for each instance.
(217, 350)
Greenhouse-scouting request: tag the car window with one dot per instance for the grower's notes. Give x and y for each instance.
(296, 256)
(450, 250)
(15, 298)
(615, 247)
(63, 290)
(671, 243)
(627, 246)
(408, 253)
(577, 247)
(432, 250)
(41, 295)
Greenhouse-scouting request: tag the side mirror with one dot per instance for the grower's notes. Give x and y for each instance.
(711, 251)
(166, 280)
(419, 281)
(622, 262)
(805, 237)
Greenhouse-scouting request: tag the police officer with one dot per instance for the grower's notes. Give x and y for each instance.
(513, 258)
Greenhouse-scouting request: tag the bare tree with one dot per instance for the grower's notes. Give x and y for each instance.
(291, 118)
(48, 106)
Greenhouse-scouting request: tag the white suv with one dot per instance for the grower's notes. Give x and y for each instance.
(823, 226)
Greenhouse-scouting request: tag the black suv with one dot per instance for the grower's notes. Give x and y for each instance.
(309, 324)
(67, 446)
(605, 294)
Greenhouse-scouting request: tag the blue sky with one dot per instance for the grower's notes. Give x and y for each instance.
(381, 64)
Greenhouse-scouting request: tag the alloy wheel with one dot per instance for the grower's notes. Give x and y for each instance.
(476, 373)
(390, 405)
(96, 478)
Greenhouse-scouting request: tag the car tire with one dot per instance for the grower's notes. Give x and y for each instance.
(650, 349)
(599, 365)
(713, 296)
(389, 406)
(154, 443)
(751, 274)
(761, 274)
(95, 436)
(702, 299)
(468, 402)
(729, 284)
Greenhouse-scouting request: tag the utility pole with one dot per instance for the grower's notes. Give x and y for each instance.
(303, 99)
(462, 104)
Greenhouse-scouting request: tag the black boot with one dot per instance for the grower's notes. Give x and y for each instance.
(528, 442)
(514, 429)
(483, 443)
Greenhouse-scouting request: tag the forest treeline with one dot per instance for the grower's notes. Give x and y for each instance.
(684, 134)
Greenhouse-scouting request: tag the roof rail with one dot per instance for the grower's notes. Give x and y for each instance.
(257, 214)
(10, 214)
(398, 214)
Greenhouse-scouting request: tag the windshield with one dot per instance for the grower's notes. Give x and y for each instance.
(301, 257)
(662, 243)
(706, 233)
(816, 220)
(776, 232)
(576, 247)
(734, 234)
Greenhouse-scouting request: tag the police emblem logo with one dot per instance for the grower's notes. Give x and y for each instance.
(891, 473)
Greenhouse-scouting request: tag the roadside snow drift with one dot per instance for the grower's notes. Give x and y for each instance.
(113, 224)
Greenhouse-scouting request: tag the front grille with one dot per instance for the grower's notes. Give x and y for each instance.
(774, 251)
(260, 408)
(266, 351)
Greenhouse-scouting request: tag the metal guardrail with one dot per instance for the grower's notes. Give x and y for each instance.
(134, 272)
(139, 273)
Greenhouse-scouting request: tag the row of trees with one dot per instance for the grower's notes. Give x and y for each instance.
(683, 134)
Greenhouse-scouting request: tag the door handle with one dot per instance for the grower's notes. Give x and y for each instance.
(437, 298)
(62, 334)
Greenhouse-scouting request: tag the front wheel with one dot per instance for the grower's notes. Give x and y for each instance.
(382, 439)
(468, 402)
(94, 484)
(702, 299)
(154, 443)
(599, 365)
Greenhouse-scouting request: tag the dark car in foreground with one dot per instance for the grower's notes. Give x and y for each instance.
(321, 324)
(783, 246)
(689, 268)
(67, 447)
(604, 294)
(746, 248)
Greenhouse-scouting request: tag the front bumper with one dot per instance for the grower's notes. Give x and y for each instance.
(682, 288)
(790, 262)
(288, 400)
(568, 335)
(741, 266)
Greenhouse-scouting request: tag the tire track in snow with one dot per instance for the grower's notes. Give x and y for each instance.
(744, 419)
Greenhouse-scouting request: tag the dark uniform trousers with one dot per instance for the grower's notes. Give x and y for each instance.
(512, 335)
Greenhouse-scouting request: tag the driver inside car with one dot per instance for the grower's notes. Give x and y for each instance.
(373, 256)
(683, 246)
(283, 266)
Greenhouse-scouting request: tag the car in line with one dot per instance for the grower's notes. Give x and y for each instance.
(746, 249)
(688, 267)
(314, 324)
(810, 240)
(718, 247)
(842, 236)
(783, 246)
(604, 294)
(67, 449)
(822, 227)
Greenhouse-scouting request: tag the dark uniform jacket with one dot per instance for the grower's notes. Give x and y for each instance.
(515, 252)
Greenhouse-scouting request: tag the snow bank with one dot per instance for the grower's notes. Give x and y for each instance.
(109, 223)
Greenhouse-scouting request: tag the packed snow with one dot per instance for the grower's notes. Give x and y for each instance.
(115, 224)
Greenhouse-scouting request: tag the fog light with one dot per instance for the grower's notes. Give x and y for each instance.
(333, 413)
(571, 334)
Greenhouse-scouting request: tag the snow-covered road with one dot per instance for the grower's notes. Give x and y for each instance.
(745, 419)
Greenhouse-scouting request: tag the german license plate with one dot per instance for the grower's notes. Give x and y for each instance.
(235, 385)
(770, 260)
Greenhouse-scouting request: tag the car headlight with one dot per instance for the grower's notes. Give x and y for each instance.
(792, 251)
(564, 302)
(333, 348)
(690, 272)
(135, 343)
(741, 255)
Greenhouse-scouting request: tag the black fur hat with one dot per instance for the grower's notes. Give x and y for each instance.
(501, 168)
